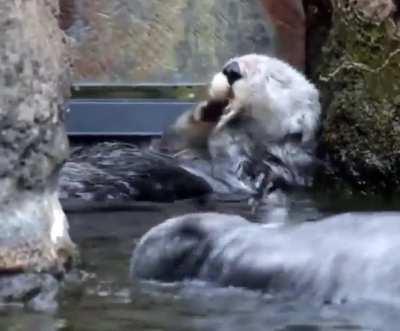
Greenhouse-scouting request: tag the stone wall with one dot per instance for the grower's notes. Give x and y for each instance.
(158, 41)
(33, 144)
(359, 74)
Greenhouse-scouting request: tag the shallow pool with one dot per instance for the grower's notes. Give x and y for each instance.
(107, 300)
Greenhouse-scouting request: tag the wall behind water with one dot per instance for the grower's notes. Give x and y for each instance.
(159, 41)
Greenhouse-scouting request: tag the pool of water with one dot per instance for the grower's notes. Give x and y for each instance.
(107, 299)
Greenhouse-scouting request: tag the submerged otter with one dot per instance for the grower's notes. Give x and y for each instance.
(344, 257)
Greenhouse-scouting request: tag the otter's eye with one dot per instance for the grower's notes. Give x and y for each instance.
(232, 72)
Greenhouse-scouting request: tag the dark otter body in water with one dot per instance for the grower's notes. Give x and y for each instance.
(344, 257)
(125, 172)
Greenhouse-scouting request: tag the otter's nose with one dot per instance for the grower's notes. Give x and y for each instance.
(232, 72)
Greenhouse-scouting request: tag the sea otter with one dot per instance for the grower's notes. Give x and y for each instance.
(263, 145)
(344, 257)
(262, 88)
(259, 123)
(270, 91)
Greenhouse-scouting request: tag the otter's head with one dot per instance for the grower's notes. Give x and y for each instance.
(178, 248)
(242, 78)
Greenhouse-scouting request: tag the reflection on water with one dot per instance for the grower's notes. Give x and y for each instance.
(108, 301)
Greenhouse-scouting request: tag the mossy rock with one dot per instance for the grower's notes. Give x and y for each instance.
(359, 77)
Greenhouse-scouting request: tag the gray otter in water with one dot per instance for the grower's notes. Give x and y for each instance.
(344, 257)
(260, 87)
(259, 123)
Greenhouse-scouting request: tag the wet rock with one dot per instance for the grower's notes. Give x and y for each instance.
(318, 24)
(125, 172)
(357, 260)
(33, 145)
(37, 291)
(67, 12)
(358, 73)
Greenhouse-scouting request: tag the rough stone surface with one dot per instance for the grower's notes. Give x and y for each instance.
(37, 291)
(33, 144)
(180, 41)
(359, 77)
(146, 47)
(318, 23)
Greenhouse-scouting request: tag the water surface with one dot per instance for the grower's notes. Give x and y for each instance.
(108, 300)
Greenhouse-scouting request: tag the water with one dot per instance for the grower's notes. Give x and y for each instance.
(107, 300)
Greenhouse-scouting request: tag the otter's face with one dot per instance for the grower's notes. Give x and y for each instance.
(242, 79)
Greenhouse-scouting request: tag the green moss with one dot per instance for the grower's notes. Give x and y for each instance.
(360, 74)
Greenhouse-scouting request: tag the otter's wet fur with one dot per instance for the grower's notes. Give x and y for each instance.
(261, 113)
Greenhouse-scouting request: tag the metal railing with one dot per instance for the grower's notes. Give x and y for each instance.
(128, 110)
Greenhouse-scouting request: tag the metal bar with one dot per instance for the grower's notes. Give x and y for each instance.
(182, 92)
(122, 117)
